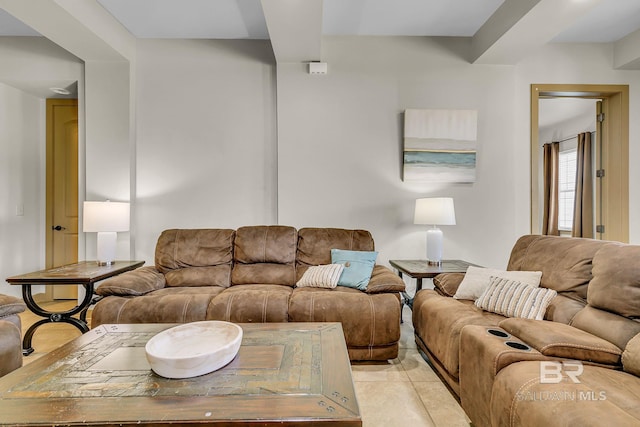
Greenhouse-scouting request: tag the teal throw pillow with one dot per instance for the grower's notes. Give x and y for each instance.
(358, 266)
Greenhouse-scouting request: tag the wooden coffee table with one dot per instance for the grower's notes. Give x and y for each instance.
(289, 374)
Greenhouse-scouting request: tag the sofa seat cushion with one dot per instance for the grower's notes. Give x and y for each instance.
(368, 320)
(167, 305)
(438, 322)
(603, 397)
(251, 303)
(563, 341)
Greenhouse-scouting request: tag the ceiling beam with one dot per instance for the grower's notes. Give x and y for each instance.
(295, 29)
(520, 26)
(626, 52)
(82, 27)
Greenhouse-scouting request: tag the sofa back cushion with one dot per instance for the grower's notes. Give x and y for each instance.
(195, 257)
(565, 262)
(315, 244)
(265, 254)
(615, 286)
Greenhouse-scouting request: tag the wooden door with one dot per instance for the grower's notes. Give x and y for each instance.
(62, 189)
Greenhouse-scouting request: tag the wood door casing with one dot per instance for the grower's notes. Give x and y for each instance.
(614, 195)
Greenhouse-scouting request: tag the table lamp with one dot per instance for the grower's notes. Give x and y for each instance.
(434, 211)
(106, 218)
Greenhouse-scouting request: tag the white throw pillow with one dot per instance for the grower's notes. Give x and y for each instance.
(515, 299)
(477, 279)
(321, 276)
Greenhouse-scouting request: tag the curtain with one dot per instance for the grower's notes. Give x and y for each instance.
(583, 203)
(550, 166)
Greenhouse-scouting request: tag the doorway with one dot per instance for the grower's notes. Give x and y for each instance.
(61, 223)
(612, 189)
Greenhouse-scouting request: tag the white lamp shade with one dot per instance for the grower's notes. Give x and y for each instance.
(105, 216)
(435, 211)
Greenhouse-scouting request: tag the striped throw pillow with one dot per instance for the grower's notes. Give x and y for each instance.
(321, 276)
(515, 299)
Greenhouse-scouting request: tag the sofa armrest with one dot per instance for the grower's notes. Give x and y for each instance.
(447, 283)
(10, 305)
(631, 356)
(133, 283)
(555, 339)
(384, 280)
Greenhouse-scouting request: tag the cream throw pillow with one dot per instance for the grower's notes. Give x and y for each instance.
(515, 299)
(477, 279)
(321, 276)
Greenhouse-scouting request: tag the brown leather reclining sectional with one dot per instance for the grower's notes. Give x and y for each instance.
(249, 275)
(594, 319)
(10, 333)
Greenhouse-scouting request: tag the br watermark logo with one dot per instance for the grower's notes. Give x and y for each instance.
(551, 372)
(567, 372)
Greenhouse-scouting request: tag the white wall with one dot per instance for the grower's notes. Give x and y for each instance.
(340, 139)
(340, 144)
(27, 62)
(107, 155)
(206, 142)
(21, 185)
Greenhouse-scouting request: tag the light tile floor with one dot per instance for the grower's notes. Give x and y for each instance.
(398, 393)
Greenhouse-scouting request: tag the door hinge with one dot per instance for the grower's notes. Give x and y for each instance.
(600, 173)
(599, 228)
(600, 117)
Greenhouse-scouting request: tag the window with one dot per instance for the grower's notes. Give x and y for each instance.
(566, 188)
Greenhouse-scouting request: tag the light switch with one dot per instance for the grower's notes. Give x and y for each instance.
(20, 209)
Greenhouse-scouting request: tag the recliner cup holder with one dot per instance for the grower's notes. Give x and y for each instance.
(518, 345)
(498, 333)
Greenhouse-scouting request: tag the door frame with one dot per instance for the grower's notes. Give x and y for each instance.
(614, 209)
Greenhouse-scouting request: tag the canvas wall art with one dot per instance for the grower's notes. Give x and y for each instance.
(440, 145)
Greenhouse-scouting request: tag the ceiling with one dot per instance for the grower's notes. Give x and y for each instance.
(500, 31)
(608, 21)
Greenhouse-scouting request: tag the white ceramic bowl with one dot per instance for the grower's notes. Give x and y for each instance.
(193, 349)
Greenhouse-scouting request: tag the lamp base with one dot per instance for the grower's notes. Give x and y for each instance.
(437, 263)
(434, 246)
(106, 253)
(105, 263)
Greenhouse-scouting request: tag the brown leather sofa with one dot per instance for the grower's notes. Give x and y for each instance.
(249, 275)
(578, 366)
(10, 333)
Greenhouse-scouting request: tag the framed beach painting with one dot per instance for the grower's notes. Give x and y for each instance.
(440, 145)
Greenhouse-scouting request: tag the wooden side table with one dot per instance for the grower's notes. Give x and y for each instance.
(85, 273)
(421, 269)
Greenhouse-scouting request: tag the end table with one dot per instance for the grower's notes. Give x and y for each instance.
(421, 269)
(85, 273)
